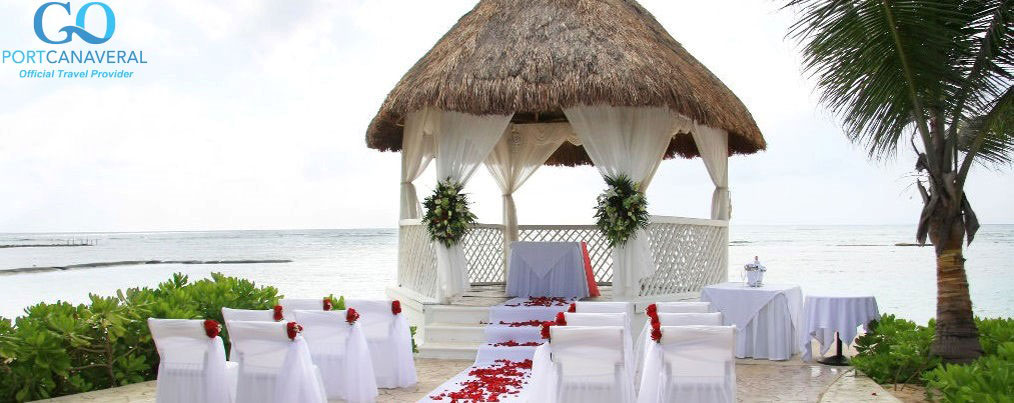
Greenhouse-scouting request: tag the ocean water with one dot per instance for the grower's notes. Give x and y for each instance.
(361, 263)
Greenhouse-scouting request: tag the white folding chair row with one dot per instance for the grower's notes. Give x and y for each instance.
(192, 366)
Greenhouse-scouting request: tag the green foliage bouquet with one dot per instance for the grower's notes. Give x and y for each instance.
(622, 210)
(447, 216)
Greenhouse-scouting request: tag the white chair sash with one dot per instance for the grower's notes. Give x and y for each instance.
(670, 319)
(192, 366)
(590, 364)
(340, 351)
(690, 364)
(390, 341)
(273, 368)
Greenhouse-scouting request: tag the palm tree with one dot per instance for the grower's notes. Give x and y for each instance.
(934, 75)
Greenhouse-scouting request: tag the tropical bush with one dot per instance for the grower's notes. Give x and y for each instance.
(61, 348)
(989, 379)
(898, 351)
(895, 350)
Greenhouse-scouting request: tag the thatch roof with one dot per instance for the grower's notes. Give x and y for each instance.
(536, 57)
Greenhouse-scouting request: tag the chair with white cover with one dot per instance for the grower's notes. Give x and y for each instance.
(248, 315)
(305, 304)
(340, 351)
(390, 342)
(671, 319)
(581, 364)
(192, 366)
(683, 307)
(690, 364)
(272, 367)
(605, 307)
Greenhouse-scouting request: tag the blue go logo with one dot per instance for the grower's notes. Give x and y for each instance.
(78, 27)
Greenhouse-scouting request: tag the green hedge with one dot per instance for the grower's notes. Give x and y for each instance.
(898, 351)
(60, 349)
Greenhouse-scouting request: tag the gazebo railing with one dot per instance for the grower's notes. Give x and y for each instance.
(689, 253)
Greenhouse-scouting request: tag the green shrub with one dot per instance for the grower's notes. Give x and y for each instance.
(895, 350)
(59, 349)
(993, 333)
(988, 379)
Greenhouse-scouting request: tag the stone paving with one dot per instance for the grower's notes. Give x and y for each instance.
(756, 381)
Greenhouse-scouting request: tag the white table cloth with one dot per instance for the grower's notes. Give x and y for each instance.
(823, 315)
(766, 318)
(547, 269)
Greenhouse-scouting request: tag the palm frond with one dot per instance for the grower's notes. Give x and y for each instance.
(992, 134)
(881, 65)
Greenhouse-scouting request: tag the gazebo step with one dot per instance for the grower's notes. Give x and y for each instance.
(456, 314)
(455, 332)
(448, 350)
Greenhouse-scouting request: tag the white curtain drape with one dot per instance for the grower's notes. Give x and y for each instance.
(629, 141)
(416, 154)
(518, 154)
(462, 142)
(713, 144)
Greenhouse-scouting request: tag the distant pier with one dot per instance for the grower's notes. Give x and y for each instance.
(51, 243)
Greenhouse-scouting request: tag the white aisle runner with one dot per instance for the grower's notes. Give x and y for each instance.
(503, 364)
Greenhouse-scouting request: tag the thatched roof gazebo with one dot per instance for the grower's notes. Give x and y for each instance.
(522, 83)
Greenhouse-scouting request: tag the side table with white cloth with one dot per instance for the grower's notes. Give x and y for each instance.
(766, 318)
(548, 269)
(825, 315)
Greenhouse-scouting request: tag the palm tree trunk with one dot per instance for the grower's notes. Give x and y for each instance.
(957, 338)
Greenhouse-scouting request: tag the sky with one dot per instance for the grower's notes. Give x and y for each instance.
(252, 115)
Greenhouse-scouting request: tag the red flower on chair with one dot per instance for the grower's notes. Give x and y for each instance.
(396, 307)
(327, 304)
(655, 322)
(656, 334)
(561, 320)
(278, 313)
(572, 308)
(212, 328)
(652, 311)
(293, 329)
(351, 316)
(544, 331)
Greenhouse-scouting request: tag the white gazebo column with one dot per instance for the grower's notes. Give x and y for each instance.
(630, 141)
(713, 145)
(462, 142)
(518, 154)
(416, 154)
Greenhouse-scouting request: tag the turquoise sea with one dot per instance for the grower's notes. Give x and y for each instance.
(362, 262)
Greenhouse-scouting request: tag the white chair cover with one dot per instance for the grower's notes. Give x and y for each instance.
(390, 342)
(670, 319)
(340, 352)
(683, 307)
(691, 364)
(581, 364)
(247, 315)
(191, 367)
(605, 307)
(306, 304)
(273, 368)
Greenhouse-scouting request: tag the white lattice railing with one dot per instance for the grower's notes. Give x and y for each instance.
(689, 253)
